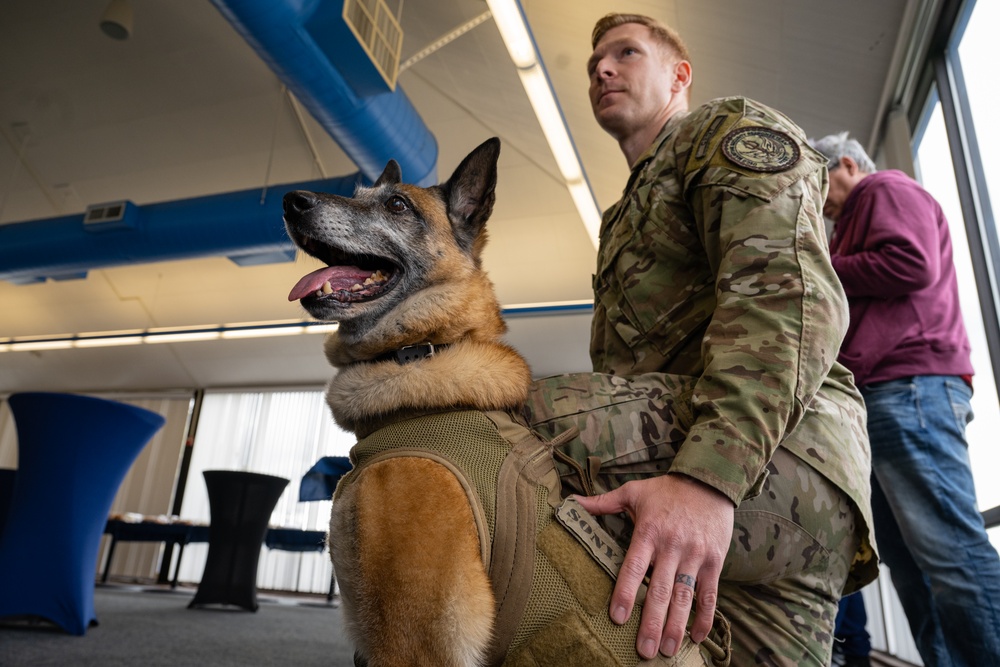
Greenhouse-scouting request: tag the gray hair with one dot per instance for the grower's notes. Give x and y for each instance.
(836, 146)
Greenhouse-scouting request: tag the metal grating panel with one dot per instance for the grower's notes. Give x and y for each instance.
(104, 213)
(379, 34)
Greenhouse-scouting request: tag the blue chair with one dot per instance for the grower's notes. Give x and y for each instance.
(73, 453)
(319, 483)
(321, 480)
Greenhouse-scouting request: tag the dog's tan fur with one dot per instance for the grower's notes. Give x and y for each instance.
(411, 578)
(403, 538)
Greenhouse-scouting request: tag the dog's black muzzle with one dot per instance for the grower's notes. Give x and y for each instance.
(298, 203)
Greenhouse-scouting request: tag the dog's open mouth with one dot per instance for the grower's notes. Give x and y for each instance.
(347, 278)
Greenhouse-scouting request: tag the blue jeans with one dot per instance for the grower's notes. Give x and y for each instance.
(927, 525)
(849, 627)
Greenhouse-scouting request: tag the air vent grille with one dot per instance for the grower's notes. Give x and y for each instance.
(379, 34)
(112, 215)
(104, 213)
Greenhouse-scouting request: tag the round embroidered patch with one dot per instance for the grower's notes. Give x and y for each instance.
(760, 149)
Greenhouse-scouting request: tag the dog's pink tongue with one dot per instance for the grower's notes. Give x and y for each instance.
(339, 277)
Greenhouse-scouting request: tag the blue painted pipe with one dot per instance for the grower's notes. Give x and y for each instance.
(297, 39)
(235, 225)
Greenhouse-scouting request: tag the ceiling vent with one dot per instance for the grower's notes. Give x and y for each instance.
(364, 38)
(113, 215)
(379, 34)
(309, 46)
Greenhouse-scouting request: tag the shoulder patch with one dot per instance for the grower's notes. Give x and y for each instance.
(760, 148)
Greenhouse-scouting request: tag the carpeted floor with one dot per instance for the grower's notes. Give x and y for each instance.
(144, 627)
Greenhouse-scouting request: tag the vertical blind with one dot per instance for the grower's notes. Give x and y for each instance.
(280, 433)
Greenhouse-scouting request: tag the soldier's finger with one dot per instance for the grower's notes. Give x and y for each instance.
(605, 503)
(654, 611)
(707, 599)
(630, 576)
(681, 600)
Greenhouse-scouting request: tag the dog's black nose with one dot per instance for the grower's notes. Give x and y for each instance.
(299, 201)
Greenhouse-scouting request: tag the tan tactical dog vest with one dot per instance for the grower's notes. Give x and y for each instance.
(552, 583)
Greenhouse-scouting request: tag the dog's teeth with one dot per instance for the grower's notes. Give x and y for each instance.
(356, 287)
(326, 289)
(369, 280)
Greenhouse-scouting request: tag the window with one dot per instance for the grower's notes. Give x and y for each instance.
(965, 120)
(279, 433)
(937, 175)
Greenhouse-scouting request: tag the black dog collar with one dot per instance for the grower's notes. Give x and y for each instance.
(411, 353)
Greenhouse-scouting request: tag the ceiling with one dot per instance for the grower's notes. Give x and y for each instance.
(185, 108)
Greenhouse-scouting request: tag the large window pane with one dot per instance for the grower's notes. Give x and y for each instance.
(977, 53)
(938, 176)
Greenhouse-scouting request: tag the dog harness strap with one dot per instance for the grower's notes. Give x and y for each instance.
(513, 563)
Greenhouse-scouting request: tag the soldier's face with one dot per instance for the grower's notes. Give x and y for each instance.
(633, 80)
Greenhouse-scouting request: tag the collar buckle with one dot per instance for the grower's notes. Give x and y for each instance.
(411, 353)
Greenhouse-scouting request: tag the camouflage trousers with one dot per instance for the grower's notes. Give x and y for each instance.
(792, 543)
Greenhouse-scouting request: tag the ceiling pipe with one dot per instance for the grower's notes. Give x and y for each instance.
(238, 225)
(307, 46)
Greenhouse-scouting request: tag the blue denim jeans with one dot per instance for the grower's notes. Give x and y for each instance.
(849, 628)
(929, 531)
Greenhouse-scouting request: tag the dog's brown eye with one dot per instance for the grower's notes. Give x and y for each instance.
(396, 204)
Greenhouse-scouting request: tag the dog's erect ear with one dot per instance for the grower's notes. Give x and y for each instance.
(470, 193)
(390, 175)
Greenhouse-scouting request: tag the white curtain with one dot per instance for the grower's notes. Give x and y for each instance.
(279, 433)
(8, 437)
(149, 486)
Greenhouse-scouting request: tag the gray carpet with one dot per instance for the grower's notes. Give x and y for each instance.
(140, 627)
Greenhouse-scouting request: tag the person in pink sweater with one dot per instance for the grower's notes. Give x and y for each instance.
(908, 349)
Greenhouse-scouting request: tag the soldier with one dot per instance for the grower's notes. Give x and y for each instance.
(717, 321)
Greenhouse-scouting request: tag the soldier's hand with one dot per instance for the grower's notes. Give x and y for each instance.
(682, 531)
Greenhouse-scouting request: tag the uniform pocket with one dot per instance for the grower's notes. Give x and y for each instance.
(767, 546)
(646, 303)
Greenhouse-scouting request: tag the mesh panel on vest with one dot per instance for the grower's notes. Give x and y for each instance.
(542, 609)
(468, 438)
(558, 599)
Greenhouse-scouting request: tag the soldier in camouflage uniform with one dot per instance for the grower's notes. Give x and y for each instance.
(717, 323)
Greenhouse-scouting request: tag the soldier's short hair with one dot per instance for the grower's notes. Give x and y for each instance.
(836, 146)
(663, 33)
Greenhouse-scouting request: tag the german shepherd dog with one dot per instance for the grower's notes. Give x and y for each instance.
(404, 269)
(420, 332)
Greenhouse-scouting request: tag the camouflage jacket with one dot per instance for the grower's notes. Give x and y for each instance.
(714, 264)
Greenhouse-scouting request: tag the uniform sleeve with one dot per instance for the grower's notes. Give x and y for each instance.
(899, 253)
(780, 312)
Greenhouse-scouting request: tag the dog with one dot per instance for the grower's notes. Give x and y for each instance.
(438, 554)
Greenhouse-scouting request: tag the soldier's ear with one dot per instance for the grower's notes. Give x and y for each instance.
(682, 77)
